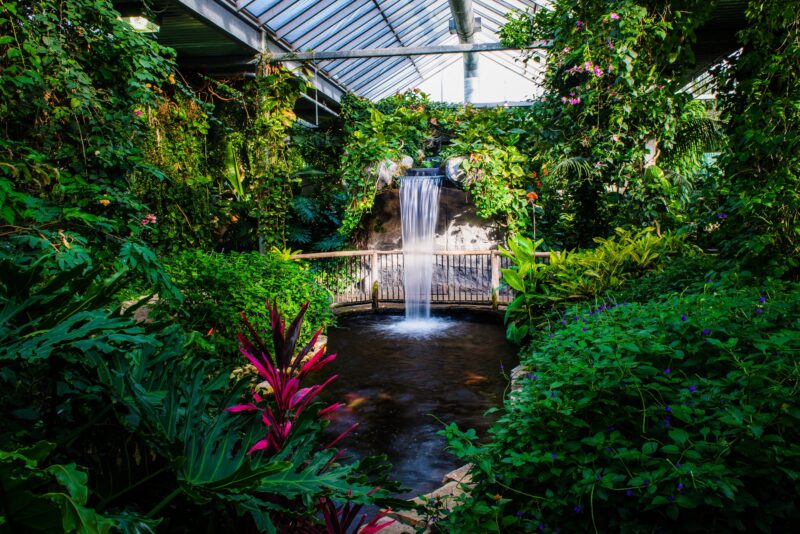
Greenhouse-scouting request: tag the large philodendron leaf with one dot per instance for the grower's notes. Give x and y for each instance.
(45, 499)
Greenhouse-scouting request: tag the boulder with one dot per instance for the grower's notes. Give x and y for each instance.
(453, 170)
(387, 170)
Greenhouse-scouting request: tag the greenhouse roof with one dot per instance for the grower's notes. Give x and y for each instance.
(223, 36)
(370, 24)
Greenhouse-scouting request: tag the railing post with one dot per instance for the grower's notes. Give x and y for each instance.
(375, 281)
(495, 277)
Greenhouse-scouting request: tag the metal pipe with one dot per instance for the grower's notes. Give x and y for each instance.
(464, 18)
(390, 52)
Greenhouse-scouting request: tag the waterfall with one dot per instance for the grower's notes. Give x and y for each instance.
(419, 209)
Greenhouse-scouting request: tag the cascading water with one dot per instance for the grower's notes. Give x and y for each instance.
(419, 209)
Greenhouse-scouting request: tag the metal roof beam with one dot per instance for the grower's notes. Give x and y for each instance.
(389, 52)
(227, 20)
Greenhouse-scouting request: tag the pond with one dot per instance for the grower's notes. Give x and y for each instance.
(401, 384)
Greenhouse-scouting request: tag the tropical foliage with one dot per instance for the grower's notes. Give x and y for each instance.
(673, 414)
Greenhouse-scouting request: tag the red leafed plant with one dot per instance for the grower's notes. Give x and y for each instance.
(284, 371)
(341, 520)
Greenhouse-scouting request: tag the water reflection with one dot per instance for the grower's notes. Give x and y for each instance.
(397, 385)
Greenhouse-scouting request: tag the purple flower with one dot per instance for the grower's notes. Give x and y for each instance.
(577, 509)
(678, 464)
(563, 323)
(684, 318)
(706, 331)
(501, 367)
(584, 329)
(541, 526)
(709, 281)
(614, 16)
(629, 493)
(759, 310)
(579, 24)
(554, 456)
(520, 513)
(671, 498)
(667, 371)
(553, 394)
(762, 299)
(680, 486)
(722, 215)
(692, 388)
(668, 408)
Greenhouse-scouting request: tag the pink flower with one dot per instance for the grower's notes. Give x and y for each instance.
(138, 112)
(148, 219)
(579, 25)
(615, 138)
(614, 16)
(588, 66)
(563, 99)
(567, 50)
(610, 44)
(575, 101)
(597, 165)
(598, 71)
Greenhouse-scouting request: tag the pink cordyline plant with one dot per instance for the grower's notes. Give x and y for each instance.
(284, 371)
(341, 520)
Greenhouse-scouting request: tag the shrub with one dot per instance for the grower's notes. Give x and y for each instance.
(586, 274)
(218, 287)
(677, 414)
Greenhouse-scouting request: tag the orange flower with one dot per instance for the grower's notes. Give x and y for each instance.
(532, 196)
(234, 218)
(210, 332)
(545, 172)
(497, 497)
(539, 184)
(535, 174)
(105, 201)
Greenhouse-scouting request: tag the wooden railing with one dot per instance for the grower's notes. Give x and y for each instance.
(374, 276)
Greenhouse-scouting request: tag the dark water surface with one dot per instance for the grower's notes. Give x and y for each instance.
(395, 379)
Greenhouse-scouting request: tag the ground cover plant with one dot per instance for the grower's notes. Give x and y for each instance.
(674, 414)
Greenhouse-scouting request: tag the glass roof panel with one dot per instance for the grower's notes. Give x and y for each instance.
(367, 24)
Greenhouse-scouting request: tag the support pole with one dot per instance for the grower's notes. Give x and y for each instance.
(464, 18)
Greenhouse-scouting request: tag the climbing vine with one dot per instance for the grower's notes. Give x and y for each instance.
(405, 125)
(612, 83)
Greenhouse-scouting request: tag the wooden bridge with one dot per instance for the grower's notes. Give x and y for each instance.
(374, 276)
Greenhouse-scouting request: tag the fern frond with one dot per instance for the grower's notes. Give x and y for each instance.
(306, 208)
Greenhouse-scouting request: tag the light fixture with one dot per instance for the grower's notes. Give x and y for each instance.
(141, 24)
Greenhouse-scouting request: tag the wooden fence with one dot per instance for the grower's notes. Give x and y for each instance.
(375, 276)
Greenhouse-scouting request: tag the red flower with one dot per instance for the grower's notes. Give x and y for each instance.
(532, 196)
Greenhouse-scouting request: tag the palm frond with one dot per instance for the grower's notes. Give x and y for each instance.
(576, 166)
(695, 137)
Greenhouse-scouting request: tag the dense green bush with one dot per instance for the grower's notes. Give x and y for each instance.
(217, 287)
(674, 415)
(580, 275)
